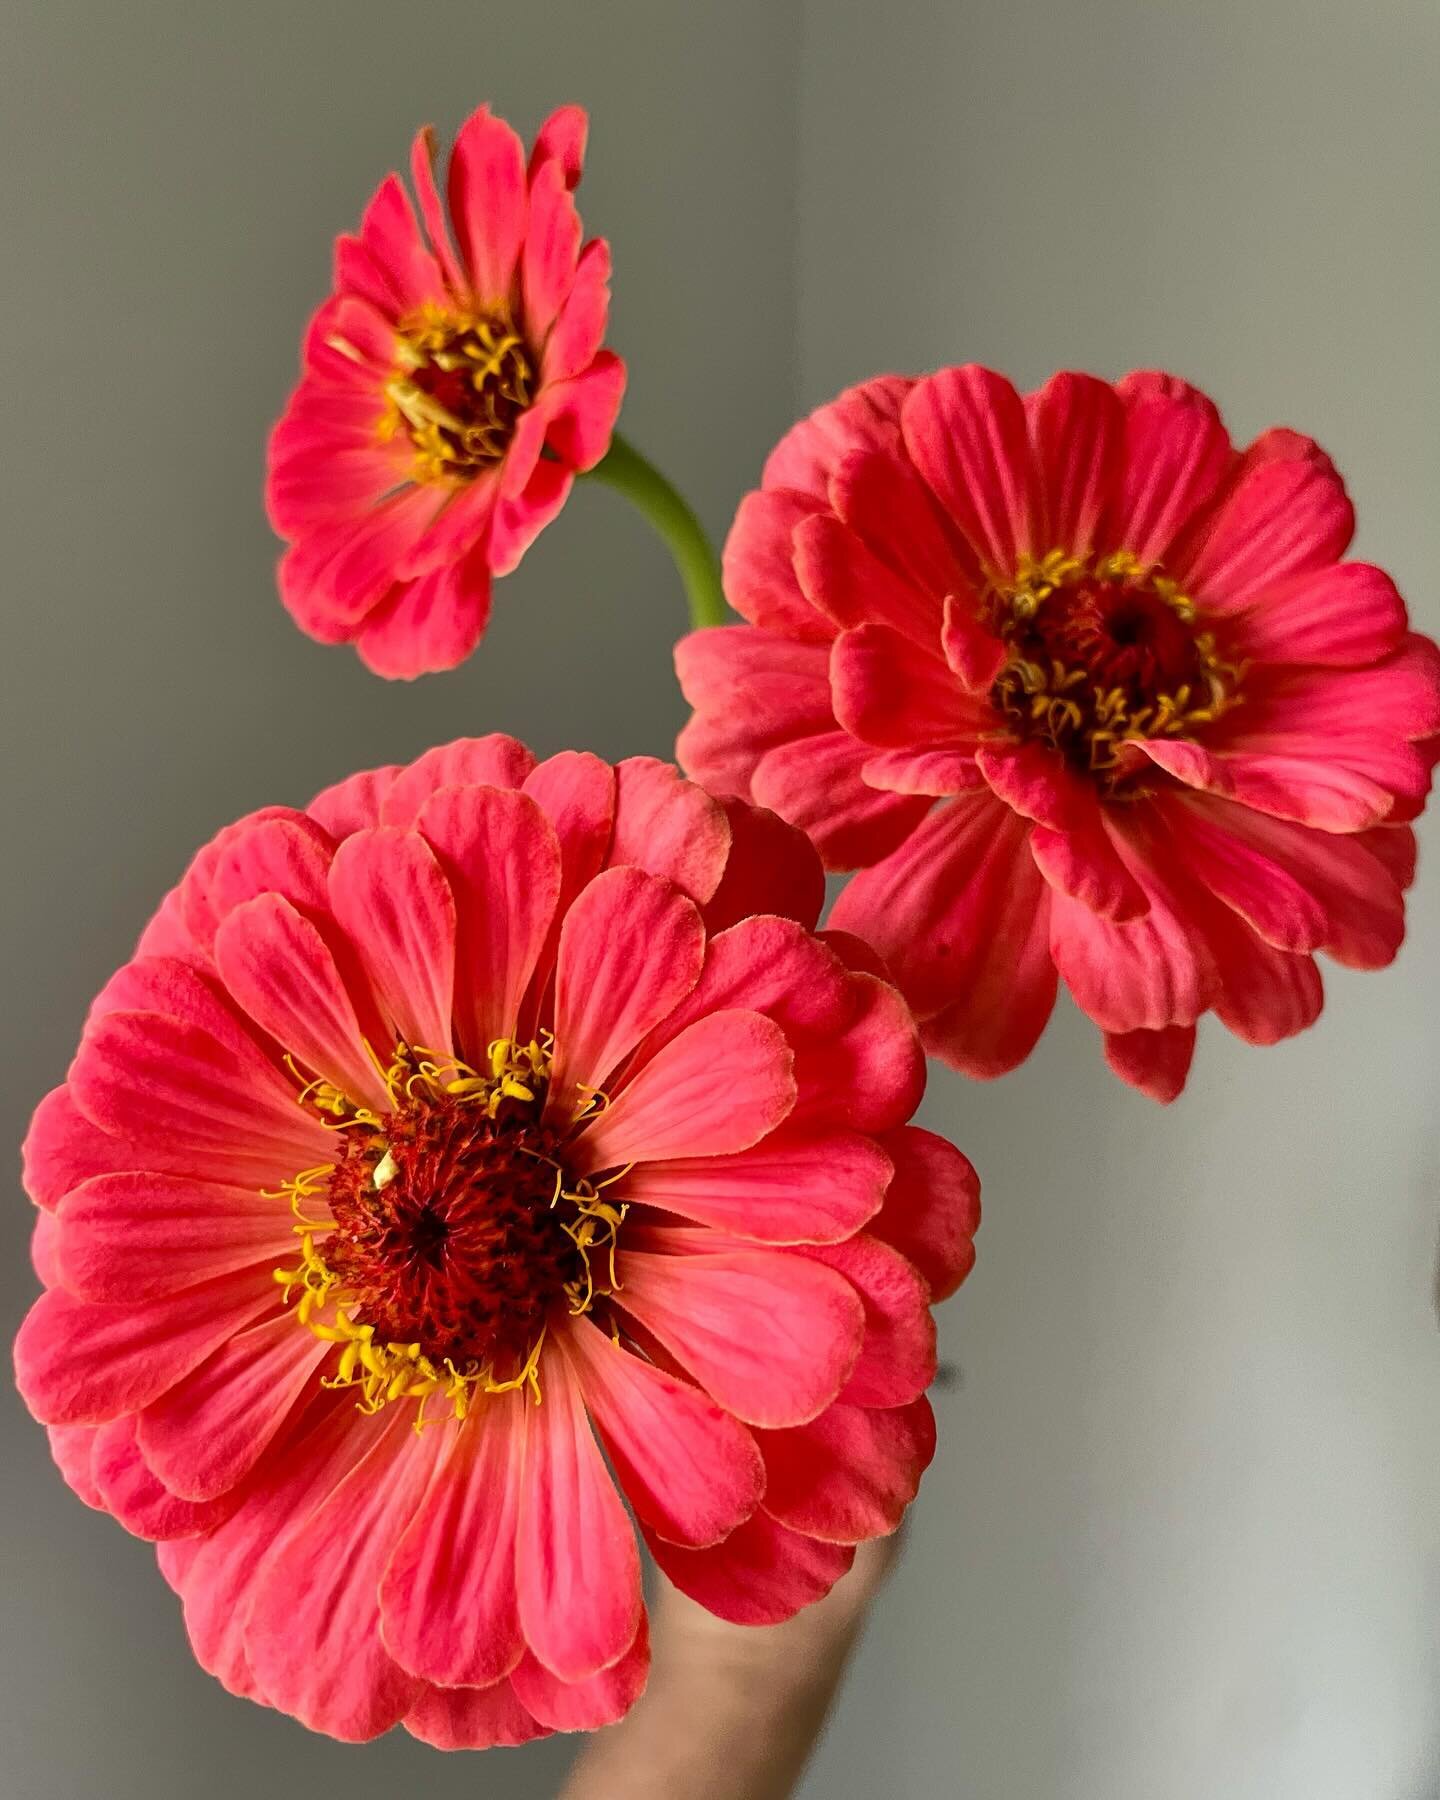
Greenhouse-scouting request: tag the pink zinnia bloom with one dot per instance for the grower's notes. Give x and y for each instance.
(448, 397)
(482, 1122)
(1084, 691)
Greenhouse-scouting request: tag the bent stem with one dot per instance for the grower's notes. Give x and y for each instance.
(628, 472)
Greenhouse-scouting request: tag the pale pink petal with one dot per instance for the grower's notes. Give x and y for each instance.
(129, 1236)
(447, 1599)
(502, 859)
(389, 895)
(690, 1471)
(723, 1084)
(850, 1474)
(79, 1363)
(577, 1567)
(769, 1334)
(797, 1187)
(761, 1575)
(313, 1627)
(965, 431)
(488, 203)
(493, 761)
(208, 1432)
(631, 949)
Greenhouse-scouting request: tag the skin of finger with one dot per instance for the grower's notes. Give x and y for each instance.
(732, 1712)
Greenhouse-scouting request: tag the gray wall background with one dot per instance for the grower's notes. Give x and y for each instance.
(1182, 1540)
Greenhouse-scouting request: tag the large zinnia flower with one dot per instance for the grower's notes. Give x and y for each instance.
(1081, 688)
(480, 1123)
(447, 399)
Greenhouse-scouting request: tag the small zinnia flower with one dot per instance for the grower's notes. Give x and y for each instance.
(1082, 690)
(482, 1124)
(449, 394)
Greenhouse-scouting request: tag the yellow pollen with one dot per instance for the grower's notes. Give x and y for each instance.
(461, 381)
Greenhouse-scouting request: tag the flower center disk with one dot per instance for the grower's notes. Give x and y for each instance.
(1101, 650)
(461, 384)
(454, 1231)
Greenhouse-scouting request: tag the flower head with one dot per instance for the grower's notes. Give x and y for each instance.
(485, 1121)
(1084, 692)
(449, 394)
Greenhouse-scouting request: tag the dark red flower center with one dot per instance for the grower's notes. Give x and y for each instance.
(1101, 650)
(447, 1234)
(462, 383)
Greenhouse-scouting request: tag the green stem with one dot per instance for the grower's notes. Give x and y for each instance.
(628, 472)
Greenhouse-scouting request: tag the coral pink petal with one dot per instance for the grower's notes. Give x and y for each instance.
(577, 1567)
(62, 1148)
(1175, 458)
(335, 576)
(768, 1334)
(897, 1356)
(454, 530)
(388, 894)
(758, 566)
(392, 238)
(472, 1719)
(208, 1432)
(761, 1575)
(552, 246)
(772, 868)
(72, 1447)
(1306, 789)
(1269, 898)
(580, 412)
(932, 1207)
(631, 949)
(191, 1103)
(520, 521)
(868, 1076)
(129, 1236)
(432, 210)
(283, 853)
(1266, 995)
(965, 431)
(1280, 519)
(797, 1187)
(850, 1474)
(585, 1705)
(576, 792)
(881, 497)
(1082, 861)
(313, 1629)
(279, 968)
(723, 1084)
(864, 417)
(1155, 1062)
(938, 773)
(1036, 782)
(354, 803)
(970, 648)
(756, 691)
(132, 1494)
(1142, 975)
(849, 584)
(690, 1471)
(669, 826)
(502, 859)
(817, 784)
(488, 203)
(1077, 428)
(493, 761)
(579, 327)
(429, 624)
(45, 1249)
(561, 139)
(1341, 617)
(81, 1363)
(888, 692)
(448, 1603)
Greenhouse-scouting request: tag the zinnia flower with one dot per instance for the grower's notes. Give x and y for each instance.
(1083, 691)
(448, 397)
(483, 1122)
